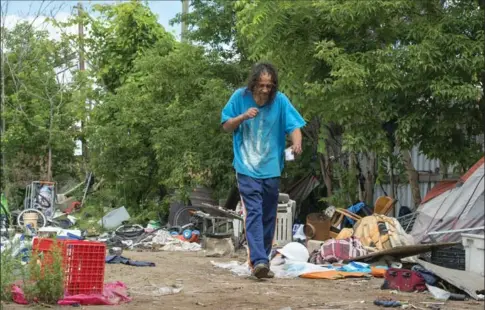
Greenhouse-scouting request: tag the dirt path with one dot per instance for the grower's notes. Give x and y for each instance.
(207, 287)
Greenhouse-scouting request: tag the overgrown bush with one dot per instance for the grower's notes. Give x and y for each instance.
(8, 268)
(45, 281)
(41, 279)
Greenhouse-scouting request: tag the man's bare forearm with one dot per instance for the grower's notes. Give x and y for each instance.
(296, 137)
(231, 124)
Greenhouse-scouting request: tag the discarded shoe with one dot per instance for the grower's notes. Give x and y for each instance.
(387, 302)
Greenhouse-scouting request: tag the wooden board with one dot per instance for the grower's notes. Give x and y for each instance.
(403, 251)
(219, 212)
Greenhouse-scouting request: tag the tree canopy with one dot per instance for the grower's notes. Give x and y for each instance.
(373, 78)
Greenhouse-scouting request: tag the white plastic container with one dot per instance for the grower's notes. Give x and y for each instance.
(284, 223)
(474, 252)
(114, 218)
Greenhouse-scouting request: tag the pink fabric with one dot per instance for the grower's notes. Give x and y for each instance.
(114, 293)
(334, 250)
(18, 295)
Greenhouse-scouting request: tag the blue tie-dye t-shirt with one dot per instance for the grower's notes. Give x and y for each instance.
(259, 143)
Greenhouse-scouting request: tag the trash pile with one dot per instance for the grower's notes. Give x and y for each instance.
(47, 221)
(365, 242)
(136, 237)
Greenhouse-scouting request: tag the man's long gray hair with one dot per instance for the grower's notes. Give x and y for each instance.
(257, 70)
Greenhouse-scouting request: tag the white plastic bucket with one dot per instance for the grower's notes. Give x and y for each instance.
(31, 218)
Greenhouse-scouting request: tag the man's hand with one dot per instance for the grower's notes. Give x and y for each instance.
(296, 141)
(250, 113)
(296, 148)
(234, 122)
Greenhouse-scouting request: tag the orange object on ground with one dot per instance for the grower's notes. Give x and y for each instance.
(333, 275)
(377, 272)
(194, 238)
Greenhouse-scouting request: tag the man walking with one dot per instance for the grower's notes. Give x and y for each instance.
(260, 117)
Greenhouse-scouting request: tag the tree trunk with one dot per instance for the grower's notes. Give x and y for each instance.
(443, 170)
(413, 177)
(370, 179)
(391, 177)
(326, 174)
(2, 117)
(49, 143)
(49, 165)
(353, 163)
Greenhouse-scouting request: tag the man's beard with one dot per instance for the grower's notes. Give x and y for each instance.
(263, 96)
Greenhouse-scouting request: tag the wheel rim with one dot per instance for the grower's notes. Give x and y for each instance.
(41, 220)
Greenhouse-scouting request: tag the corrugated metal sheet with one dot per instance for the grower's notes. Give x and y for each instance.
(423, 163)
(420, 161)
(403, 193)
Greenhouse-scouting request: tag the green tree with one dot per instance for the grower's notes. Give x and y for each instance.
(367, 63)
(116, 35)
(161, 128)
(213, 23)
(39, 112)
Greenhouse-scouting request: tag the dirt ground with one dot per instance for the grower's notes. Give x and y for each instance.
(207, 287)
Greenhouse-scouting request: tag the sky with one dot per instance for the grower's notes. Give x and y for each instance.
(27, 10)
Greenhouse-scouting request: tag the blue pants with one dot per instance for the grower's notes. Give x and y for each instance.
(259, 197)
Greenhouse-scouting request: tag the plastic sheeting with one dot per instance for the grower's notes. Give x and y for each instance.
(114, 293)
(284, 268)
(457, 208)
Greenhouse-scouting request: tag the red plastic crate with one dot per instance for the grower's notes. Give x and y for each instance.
(83, 261)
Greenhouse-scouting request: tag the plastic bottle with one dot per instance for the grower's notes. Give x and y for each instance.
(19, 244)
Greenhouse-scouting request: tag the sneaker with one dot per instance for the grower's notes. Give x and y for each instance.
(270, 275)
(261, 271)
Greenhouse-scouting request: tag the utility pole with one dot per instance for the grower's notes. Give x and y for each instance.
(2, 106)
(185, 26)
(82, 69)
(81, 37)
(482, 99)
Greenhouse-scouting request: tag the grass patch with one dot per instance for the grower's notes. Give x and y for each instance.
(9, 267)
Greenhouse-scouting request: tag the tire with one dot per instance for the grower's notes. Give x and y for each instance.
(41, 221)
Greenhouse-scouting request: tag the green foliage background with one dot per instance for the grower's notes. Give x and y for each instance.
(154, 124)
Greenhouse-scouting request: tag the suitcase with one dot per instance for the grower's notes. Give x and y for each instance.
(404, 280)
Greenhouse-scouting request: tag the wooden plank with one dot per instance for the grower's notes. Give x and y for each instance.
(404, 251)
(219, 212)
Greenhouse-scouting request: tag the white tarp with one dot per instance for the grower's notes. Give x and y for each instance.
(460, 207)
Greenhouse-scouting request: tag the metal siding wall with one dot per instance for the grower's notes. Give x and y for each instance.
(423, 163)
(403, 192)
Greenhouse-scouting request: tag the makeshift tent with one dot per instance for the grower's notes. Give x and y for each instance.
(451, 206)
